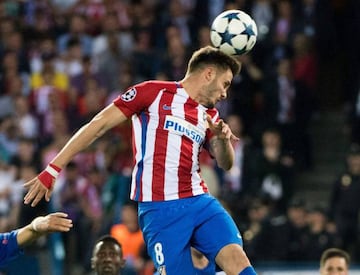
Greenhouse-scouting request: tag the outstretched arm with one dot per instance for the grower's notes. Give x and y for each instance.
(55, 222)
(102, 122)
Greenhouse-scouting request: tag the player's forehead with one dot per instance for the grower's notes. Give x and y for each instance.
(225, 75)
(336, 261)
(107, 246)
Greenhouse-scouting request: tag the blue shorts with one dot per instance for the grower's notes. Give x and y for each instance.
(170, 228)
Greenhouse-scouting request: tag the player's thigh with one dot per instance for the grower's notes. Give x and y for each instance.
(216, 230)
(167, 232)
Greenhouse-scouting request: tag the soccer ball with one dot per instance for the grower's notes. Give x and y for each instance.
(234, 32)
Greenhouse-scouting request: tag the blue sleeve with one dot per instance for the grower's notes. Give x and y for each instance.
(9, 249)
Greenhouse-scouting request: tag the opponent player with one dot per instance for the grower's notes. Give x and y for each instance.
(334, 261)
(11, 243)
(107, 257)
(172, 122)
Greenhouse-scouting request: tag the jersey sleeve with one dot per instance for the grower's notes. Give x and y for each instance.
(9, 248)
(136, 99)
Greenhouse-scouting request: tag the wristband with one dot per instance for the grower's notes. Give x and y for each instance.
(35, 223)
(48, 175)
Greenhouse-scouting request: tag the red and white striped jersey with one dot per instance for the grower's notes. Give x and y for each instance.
(169, 130)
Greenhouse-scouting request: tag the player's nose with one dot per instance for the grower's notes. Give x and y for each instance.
(223, 94)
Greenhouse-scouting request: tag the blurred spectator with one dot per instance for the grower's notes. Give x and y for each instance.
(174, 62)
(318, 237)
(77, 30)
(111, 62)
(71, 60)
(28, 123)
(144, 59)
(93, 12)
(111, 26)
(344, 202)
(11, 73)
(236, 181)
(26, 154)
(49, 67)
(274, 171)
(263, 14)
(266, 235)
(298, 223)
(78, 81)
(287, 105)
(243, 93)
(9, 138)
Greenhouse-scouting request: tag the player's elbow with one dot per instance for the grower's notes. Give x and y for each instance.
(226, 165)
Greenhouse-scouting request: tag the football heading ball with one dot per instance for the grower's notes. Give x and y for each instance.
(234, 32)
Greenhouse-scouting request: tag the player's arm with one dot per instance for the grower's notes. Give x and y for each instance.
(220, 144)
(42, 185)
(55, 222)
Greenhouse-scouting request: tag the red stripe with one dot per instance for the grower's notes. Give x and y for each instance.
(186, 162)
(161, 141)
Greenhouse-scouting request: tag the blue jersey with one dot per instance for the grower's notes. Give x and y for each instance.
(9, 248)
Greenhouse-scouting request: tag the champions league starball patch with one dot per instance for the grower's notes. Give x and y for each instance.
(129, 95)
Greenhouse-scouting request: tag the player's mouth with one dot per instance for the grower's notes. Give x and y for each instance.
(108, 268)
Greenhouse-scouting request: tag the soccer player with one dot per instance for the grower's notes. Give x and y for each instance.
(171, 122)
(11, 243)
(334, 261)
(107, 257)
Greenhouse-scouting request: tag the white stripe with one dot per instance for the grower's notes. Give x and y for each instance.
(137, 140)
(196, 178)
(173, 151)
(52, 171)
(147, 178)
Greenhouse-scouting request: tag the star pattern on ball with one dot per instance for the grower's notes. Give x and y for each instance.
(232, 16)
(248, 30)
(226, 37)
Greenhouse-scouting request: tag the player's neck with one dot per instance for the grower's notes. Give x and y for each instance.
(192, 86)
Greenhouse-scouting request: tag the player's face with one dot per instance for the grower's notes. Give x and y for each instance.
(334, 266)
(108, 259)
(217, 88)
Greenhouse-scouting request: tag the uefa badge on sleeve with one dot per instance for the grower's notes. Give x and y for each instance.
(129, 95)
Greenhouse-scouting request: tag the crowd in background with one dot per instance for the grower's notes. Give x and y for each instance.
(64, 60)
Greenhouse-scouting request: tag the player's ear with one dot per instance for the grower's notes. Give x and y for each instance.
(209, 73)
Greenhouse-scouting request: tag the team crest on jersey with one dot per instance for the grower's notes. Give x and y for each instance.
(129, 95)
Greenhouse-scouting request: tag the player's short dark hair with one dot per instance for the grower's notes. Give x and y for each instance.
(107, 239)
(334, 252)
(212, 56)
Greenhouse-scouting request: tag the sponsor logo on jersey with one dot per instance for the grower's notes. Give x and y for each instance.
(129, 95)
(183, 128)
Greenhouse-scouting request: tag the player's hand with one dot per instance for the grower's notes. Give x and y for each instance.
(221, 130)
(42, 185)
(55, 222)
(36, 192)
